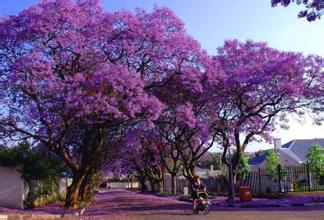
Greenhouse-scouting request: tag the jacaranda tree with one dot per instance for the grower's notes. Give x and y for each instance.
(78, 79)
(314, 9)
(262, 86)
(61, 87)
(74, 77)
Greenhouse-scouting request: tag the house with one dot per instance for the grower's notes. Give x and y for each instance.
(205, 173)
(292, 153)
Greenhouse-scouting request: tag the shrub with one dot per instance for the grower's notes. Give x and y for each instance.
(272, 163)
(41, 172)
(315, 159)
(243, 167)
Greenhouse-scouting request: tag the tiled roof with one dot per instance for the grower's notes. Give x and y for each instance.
(294, 151)
(287, 145)
(259, 159)
(301, 147)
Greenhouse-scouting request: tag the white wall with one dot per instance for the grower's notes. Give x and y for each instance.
(12, 188)
(122, 185)
(63, 185)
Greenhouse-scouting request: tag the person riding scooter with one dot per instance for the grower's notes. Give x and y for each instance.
(196, 187)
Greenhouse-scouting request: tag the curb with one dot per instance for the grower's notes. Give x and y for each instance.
(257, 206)
(271, 205)
(76, 213)
(314, 204)
(30, 216)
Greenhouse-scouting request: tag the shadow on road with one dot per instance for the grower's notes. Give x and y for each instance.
(133, 203)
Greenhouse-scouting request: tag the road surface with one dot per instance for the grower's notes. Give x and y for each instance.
(123, 204)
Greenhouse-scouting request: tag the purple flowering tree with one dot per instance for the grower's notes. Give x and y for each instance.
(170, 157)
(76, 81)
(140, 156)
(262, 86)
(61, 86)
(184, 126)
(80, 80)
(314, 9)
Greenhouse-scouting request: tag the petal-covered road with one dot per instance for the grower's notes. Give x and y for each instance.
(127, 205)
(134, 203)
(123, 204)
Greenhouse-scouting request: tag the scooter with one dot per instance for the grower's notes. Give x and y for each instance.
(203, 203)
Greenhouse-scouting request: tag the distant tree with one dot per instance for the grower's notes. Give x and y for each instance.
(213, 159)
(315, 158)
(142, 155)
(314, 9)
(272, 163)
(170, 158)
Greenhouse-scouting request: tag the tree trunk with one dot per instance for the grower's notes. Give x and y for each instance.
(152, 183)
(73, 191)
(231, 191)
(231, 164)
(143, 186)
(235, 162)
(161, 187)
(86, 188)
(189, 173)
(173, 185)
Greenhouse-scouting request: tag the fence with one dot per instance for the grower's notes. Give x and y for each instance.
(217, 184)
(301, 178)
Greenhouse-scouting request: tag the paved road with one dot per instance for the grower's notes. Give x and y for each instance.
(135, 203)
(122, 204)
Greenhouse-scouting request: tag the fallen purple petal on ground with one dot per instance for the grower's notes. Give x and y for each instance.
(119, 202)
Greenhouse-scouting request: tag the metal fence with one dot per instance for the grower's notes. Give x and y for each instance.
(301, 178)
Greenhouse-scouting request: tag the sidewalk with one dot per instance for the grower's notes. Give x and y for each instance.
(50, 211)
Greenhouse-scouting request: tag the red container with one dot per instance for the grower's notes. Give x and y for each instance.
(245, 193)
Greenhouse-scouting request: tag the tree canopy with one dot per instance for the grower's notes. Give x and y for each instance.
(314, 9)
(84, 83)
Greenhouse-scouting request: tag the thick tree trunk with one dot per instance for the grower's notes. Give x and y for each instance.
(173, 185)
(231, 191)
(73, 191)
(235, 162)
(86, 188)
(229, 163)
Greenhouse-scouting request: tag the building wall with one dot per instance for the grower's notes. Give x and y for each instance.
(122, 185)
(12, 188)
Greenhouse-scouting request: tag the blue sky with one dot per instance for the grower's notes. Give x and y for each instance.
(213, 21)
